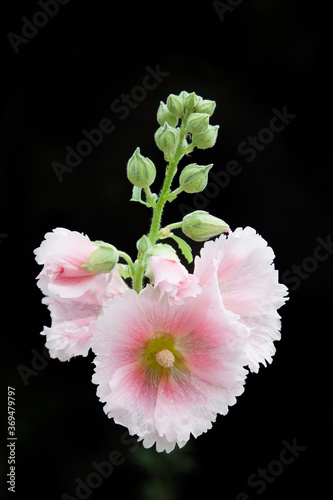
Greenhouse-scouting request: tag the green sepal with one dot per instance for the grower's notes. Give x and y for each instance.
(136, 196)
(183, 246)
(124, 271)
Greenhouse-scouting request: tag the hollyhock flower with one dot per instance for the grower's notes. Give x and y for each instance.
(242, 264)
(165, 371)
(172, 278)
(74, 319)
(62, 254)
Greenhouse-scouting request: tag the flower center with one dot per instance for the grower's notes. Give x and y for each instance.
(165, 358)
(160, 357)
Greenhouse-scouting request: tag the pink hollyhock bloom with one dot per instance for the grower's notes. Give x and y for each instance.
(62, 254)
(165, 372)
(242, 264)
(74, 319)
(172, 278)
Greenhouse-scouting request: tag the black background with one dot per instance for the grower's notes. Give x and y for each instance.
(264, 54)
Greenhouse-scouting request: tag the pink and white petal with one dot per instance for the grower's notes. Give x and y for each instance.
(64, 341)
(124, 325)
(260, 346)
(80, 311)
(173, 279)
(162, 444)
(70, 287)
(115, 286)
(248, 285)
(188, 405)
(181, 408)
(167, 269)
(62, 253)
(131, 400)
(64, 245)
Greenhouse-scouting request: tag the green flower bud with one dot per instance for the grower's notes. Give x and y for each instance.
(200, 226)
(167, 138)
(194, 178)
(192, 100)
(143, 244)
(183, 94)
(102, 260)
(206, 106)
(164, 115)
(175, 105)
(141, 171)
(207, 139)
(197, 123)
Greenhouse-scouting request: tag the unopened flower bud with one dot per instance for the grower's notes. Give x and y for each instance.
(197, 123)
(141, 171)
(207, 139)
(143, 244)
(192, 100)
(102, 260)
(194, 178)
(175, 105)
(164, 115)
(161, 249)
(167, 138)
(200, 226)
(206, 106)
(183, 94)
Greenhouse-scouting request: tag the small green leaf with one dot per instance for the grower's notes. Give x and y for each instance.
(184, 247)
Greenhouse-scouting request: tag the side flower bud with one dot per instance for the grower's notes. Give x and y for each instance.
(102, 260)
(143, 244)
(164, 115)
(206, 106)
(167, 138)
(201, 226)
(207, 139)
(161, 249)
(197, 123)
(175, 105)
(194, 178)
(141, 171)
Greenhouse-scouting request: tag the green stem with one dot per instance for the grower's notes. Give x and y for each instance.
(138, 276)
(175, 225)
(175, 193)
(128, 259)
(163, 198)
(158, 207)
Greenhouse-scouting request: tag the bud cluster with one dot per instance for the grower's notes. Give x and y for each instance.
(183, 126)
(195, 112)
